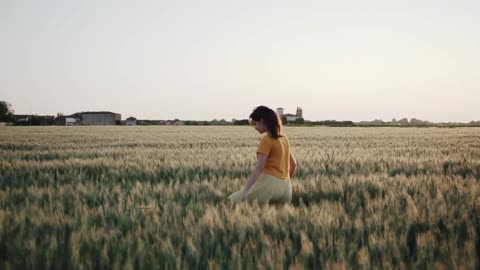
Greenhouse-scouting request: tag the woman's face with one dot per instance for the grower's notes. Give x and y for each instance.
(259, 126)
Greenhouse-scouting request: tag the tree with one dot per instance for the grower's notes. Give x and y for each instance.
(6, 112)
(241, 122)
(299, 120)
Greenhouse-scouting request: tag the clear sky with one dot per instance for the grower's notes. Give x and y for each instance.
(200, 60)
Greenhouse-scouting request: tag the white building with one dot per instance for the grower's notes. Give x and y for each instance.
(290, 117)
(131, 121)
(280, 111)
(70, 121)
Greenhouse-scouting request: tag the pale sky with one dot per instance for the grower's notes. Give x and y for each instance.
(200, 60)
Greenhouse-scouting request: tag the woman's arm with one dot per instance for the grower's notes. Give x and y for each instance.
(293, 165)
(261, 160)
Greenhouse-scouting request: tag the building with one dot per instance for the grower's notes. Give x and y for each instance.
(175, 122)
(291, 117)
(280, 111)
(288, 116)
(299, 112)
(100, 118)
(131, 121)
(68, 120)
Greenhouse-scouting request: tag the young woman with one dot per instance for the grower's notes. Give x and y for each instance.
(270, 180)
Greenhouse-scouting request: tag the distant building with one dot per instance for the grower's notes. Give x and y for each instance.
(131, 121)
(70, 120)
(299, 112)
(280, 111)
(290, 117)
(175, 122)
(100, 118)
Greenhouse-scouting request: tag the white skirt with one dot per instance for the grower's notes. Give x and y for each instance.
(267, 189)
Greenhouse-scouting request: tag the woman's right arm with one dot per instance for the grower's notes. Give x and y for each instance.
(293, 165)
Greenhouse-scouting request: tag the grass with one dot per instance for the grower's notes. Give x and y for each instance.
(155, 198)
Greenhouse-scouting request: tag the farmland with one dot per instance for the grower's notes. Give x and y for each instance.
(156, 198)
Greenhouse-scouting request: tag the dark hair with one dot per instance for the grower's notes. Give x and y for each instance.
(270, 118)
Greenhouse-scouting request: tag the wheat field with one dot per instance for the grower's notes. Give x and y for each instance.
(156, 198)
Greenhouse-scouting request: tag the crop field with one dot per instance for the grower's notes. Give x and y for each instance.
(156, 198)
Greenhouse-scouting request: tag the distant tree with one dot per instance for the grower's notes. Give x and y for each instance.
(118, 122)
(241, 122)
(6, 112)
(403, 121)
(284, 120)
(38, 120)
(299, 120)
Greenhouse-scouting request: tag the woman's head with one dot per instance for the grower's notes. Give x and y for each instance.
(266, 120)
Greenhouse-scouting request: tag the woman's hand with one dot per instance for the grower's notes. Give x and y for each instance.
(293, 165)
(244, 195)
(262, 159)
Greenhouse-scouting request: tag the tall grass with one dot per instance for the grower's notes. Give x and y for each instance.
(155, 198)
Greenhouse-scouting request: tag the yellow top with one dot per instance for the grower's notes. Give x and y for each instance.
(278, 152)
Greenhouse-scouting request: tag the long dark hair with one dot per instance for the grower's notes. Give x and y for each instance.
(270, 118)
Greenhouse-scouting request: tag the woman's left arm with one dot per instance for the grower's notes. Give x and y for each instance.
(261, 160)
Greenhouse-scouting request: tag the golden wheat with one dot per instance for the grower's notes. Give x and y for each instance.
(155, 198)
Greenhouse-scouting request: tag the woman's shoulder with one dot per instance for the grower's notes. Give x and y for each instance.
(284, 139)
(270, 138)
(266, 137)
(281, 138)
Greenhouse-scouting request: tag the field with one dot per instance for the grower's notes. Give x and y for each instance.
(155, 197)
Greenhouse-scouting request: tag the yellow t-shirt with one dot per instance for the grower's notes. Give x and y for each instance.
(278, 152)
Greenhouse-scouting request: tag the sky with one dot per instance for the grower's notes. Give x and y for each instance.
(204, 60)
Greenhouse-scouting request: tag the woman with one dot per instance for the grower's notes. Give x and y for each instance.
(270, 180)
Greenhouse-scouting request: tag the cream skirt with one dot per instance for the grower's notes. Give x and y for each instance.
(267, 189)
